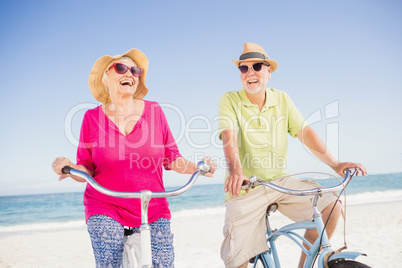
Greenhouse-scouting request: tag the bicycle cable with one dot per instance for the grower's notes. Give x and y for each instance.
(310, 172)
(343, 191)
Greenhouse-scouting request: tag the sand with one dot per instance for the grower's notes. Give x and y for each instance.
(375, 229)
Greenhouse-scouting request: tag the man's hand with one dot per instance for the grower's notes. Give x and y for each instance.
(342, 166)
(234, 182)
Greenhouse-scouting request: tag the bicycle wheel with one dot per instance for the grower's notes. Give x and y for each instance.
(257, 262)
(342, 263)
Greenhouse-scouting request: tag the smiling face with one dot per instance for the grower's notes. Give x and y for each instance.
(121, 85)
(255, 82)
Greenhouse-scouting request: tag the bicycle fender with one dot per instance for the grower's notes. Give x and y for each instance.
(351, 255)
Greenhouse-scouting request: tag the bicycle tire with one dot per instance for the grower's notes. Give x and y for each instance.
(342, 263)
(257, 262)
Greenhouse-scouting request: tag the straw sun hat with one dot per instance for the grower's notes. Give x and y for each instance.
(95, 76)
(254, 52)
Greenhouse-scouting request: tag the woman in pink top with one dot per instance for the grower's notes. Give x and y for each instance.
(124, 144)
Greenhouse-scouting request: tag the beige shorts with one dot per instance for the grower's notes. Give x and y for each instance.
(245, 228)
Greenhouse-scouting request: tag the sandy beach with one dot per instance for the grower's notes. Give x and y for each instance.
(375, 229)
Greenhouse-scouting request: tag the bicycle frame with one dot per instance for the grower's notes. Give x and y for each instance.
(145, 196)
(321, 245)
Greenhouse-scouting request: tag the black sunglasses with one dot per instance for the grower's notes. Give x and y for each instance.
(256, 67)
(120, 68)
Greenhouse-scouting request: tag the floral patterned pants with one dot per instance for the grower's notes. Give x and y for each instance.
(107, 238)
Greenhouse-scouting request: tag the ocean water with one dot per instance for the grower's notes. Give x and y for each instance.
(66, 210)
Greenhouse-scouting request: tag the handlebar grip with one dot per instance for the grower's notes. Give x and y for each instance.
(203, 167)
(66, 170)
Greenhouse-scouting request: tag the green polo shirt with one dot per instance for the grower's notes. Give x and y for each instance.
(262, 135)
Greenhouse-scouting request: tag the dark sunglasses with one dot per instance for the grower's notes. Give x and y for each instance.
(120, 68)
(256, 67)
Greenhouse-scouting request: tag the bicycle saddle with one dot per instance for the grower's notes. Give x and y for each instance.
(272, 208)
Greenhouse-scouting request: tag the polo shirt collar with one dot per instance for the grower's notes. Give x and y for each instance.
(271, 98)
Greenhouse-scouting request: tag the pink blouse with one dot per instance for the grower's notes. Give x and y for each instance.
(126, 163)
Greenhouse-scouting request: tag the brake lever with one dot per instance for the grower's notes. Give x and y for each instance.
(253, 182)
(353, 171)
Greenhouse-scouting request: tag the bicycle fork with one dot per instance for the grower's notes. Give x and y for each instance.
(322, 243)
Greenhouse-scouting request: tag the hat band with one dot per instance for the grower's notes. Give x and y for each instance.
(253, 55)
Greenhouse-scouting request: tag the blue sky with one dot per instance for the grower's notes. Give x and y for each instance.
(340, 60)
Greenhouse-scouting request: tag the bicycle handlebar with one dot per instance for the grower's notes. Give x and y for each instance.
(255, 181)
(202, 168)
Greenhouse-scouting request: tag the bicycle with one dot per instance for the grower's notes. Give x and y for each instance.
(137, 252)
(321, 248)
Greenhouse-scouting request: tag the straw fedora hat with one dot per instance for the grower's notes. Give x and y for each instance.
(95, 76)
(254, 52)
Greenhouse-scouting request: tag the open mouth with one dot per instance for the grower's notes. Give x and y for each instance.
(127, 83)
(252, 81)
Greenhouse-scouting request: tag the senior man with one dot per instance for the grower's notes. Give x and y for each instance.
(253, 125)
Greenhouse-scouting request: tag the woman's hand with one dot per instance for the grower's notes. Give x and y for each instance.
(183, 166)
(212, 164)
(60, 162)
